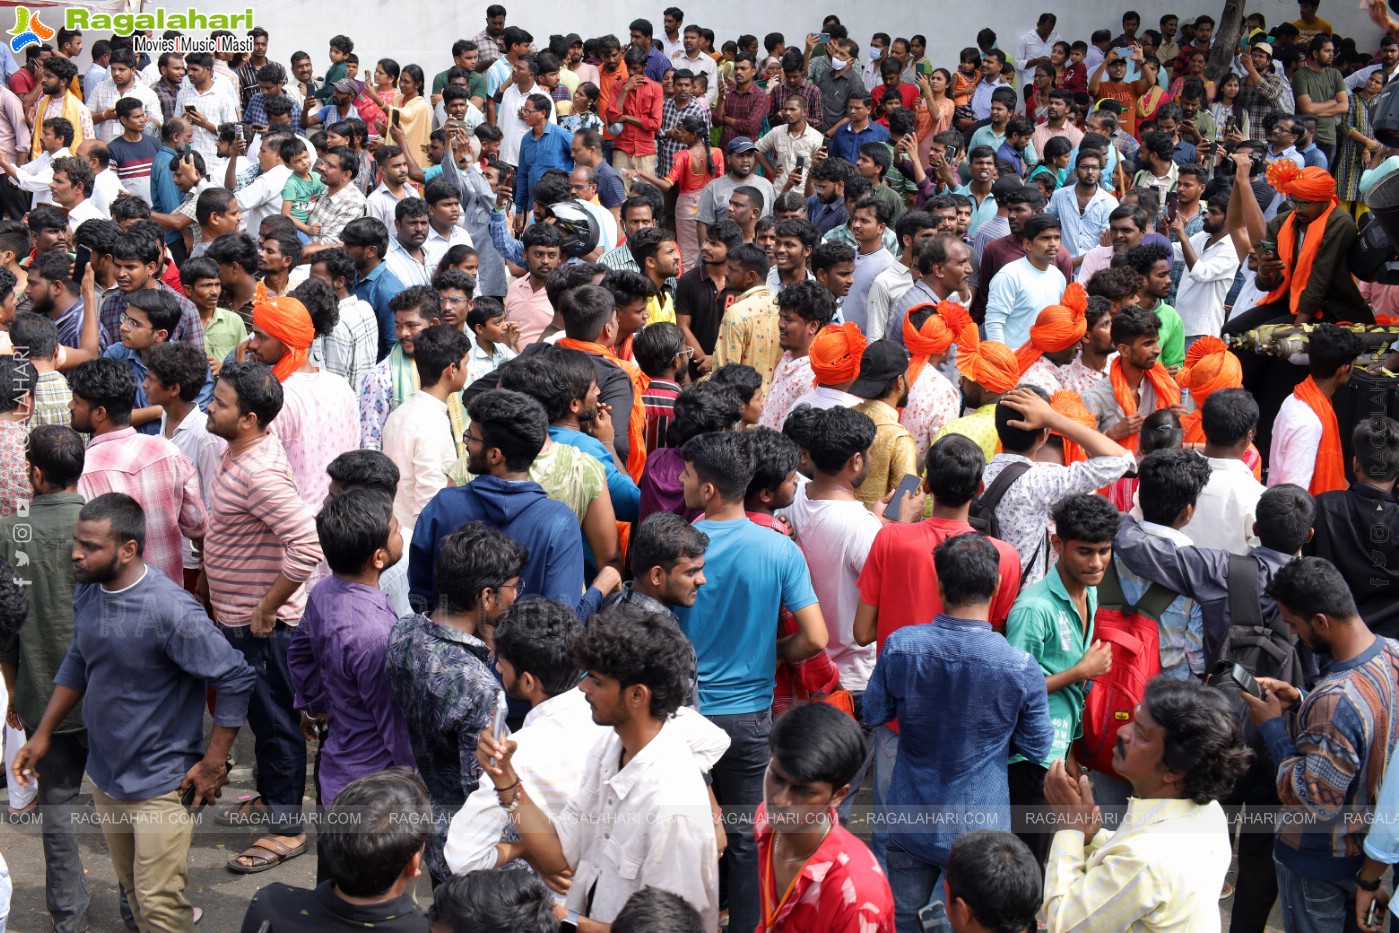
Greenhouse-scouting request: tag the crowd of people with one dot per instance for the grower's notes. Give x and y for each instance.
(663, 484)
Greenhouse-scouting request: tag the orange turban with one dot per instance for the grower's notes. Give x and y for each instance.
(1058, 327)
(1070, 405)
(936, 336)
(285, 320)
(835, 353)
(990, 364)
(1305, 184)
(1209, 367)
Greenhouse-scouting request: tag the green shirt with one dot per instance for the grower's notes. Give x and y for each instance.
(47, 631)
(224, 331)
(302, 193)
(1172, 335)
(1045, 623)
(475, 84)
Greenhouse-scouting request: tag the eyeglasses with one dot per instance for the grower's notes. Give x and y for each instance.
(519, 588)
(580, 185)
(127, 320)
(686, 352)
(453, 303)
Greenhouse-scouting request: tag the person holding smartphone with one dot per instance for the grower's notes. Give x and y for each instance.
(781, 148)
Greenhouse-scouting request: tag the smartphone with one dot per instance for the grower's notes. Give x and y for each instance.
(925, 68)
(907, 487)
(823, 37)
(498, 723)
(1228, 674)
(397, 118)
(1172, 206)
(80, 264)
(184, 154)
(187, 799)
(801, 163)
(1268, 247)
(1372, 916)
(190, 108)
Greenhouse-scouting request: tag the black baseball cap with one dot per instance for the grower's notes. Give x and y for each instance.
(882, 361)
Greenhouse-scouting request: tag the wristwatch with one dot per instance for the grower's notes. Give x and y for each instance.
(1364, 885)
(569, 924)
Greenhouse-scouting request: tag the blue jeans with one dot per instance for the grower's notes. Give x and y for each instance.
(738, 786)
(886, 752)
(278, 743)
(1310, 905)
(915, 886)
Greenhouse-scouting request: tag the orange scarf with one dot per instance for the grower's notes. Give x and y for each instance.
(1167, 394)
(636, 420)
(1309, 184)
(935, 337)
(1070, 405)
(1330, 472)
(287, 321)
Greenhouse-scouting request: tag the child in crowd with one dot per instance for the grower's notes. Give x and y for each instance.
(495, 341)
(302, 190)
(745, 381)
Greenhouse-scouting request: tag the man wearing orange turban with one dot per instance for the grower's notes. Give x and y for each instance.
(835, 361)
(319, 419)
(989, 370)
(1209, 367)
(1054, 341)
(929, 330)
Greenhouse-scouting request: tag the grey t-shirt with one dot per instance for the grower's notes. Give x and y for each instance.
(714, 200)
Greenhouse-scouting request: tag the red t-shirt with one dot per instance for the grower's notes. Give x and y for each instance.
(841, 887)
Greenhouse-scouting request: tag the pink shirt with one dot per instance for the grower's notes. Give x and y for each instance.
(318, 422)
(152, 471)
(932, 402)
(791, 380)
(529, 308)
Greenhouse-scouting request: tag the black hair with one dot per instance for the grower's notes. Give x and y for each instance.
(661, 540)
(586, 311)
(79, 172)
(436, 348)
(536, 636)
(1227, 416)
(1161, 430)
(954, 468)
(741, 378)
(159, 306)
(817, 742)
(1284, 515)
(704, 408)
(337, 262)
(352, 526)
(258, 391)
(651, 910)
(775, 457)
(500, 900)
(58, 451)
(656, 346)
(569, 276)
(130, 246)
(997, 877)
(554, 377)
(363, 231)
(1038, 224)
(128, 520)
(882, 211)
(385, 820)
(1016, 440)
(1375, 442)
(627, 286)
(451, 278)
(545, 235)
(723, 460)
(234, 249)
(1130, 324)
(639, 648)
(321, 305)
(809, 300)
(514, 424)
(364, 468)
(826, 255)
(832, 169)
(1116, 283)
(841, 434)
(798, 229)
(969, 569)
(1171, 481)
(646, 242)
(1330, 347)
(103, 383)
(482, 312)
(1203, 736)
(472, 559)
(1085, 517)
(751, 258)
(179, 363)
(55, 267)
(409, 208)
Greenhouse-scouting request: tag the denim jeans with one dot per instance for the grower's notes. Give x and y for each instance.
(1310, 905)
(886, 752)
(65, 887)
(278, 743)
(738, 786)
(915, 886)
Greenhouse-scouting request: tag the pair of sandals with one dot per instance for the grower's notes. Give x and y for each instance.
(267, 852)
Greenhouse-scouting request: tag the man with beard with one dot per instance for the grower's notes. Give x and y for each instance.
(1137, 383)
(143, 656)
(1210, 265)
(740, 159)
(803, 310)
(702, 294)
(506, 433)
(1020, 206)
(136, 259)
(279, 251)
(883, 383)
(943, 264)
(1152, 263)
(53, 294)
(406, 258)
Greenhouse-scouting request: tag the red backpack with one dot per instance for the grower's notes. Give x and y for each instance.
(1134, 635)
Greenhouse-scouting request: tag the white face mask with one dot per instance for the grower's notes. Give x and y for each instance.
(839, 63)
(875, 53)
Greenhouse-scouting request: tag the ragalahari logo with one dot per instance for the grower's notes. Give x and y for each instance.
(28, 30)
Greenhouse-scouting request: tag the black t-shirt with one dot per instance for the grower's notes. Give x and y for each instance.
(698, 298)
(297, 910)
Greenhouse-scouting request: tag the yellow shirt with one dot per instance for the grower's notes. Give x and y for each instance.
(1306, 31)
(661, 308)
(748, 334)
(893, 455)
(980, 426)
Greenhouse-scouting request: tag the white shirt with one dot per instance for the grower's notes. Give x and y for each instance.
(381, 203)
(1203, 288)
(1296, 439)
(1032, 46)
(835, 537)
(106, 188)
(105, 97)
(1358, 80)
(1019, 292)
(1226, 507)
(701, 65)
(824, 397)
(552, 751)
(606, 224)
(888, 287)
(215, 106)
(352, 349)
(648, 823)
(436, 245)
(418, 439)
(402, 264)
(202, 449)
(782, 149)
(263, 197)
(36, 177)
(85, 210)
(1081, 229)
(507, 117)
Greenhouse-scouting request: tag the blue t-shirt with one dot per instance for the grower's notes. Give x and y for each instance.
(753, 572)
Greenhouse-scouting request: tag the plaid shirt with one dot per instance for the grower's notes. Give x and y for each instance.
(189, 330)
(748, 110)
(167, 96)
(487, 49)
(255, 112)
(807, 92)
(352, 348)
(105, 96)
(51, 398)
(335, 211)
(666, 148)
(1262, 99)
(152, 471)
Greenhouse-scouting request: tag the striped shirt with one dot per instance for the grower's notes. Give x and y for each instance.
(133, 162)
(259, 529)
(152, 471)
(659, 401)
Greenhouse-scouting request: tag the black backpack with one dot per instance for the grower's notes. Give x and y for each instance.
(982, 515)
(1265, 650)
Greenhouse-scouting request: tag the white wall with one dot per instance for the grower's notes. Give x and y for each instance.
(415, 31)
